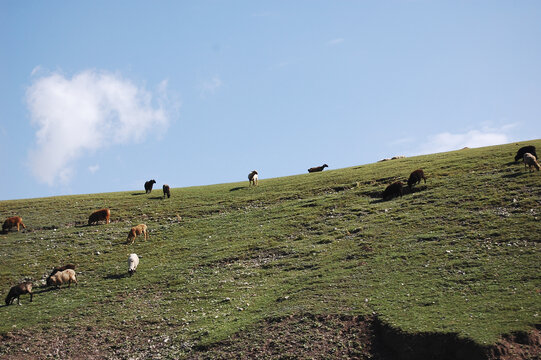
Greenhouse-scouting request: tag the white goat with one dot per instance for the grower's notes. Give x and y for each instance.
(133, 261)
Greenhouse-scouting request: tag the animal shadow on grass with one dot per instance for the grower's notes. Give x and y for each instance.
(513, 175)
(115, 276)
(137, 194)
(237, 188)
(405, 191)
(156, 198)
(44, 289)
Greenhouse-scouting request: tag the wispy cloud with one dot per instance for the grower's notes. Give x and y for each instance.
(210, 86)
(93, 168)
(447, 141)
(336, 41)
(91, 110)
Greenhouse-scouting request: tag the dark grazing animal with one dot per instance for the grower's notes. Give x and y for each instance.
(253, 177)
(99, 215)
(415, 177)
(317, 168)
(148, 185)
(62, 268)
(11, 222)
(166, 191)
(523, 150)
(18, 290)
(393, 190)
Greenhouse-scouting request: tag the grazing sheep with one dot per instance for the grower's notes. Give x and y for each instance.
(148, 185)
(62, 268)
(415, 177)
(523, 150)
(530, 161)
(137, 230)
(166, 191)
(18, 290)
(133, 262)
(99, 215)
(317, 168)
(62, 277)
(393, 190)
(253, 177)
(11, 222)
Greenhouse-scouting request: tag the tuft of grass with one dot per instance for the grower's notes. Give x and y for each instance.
(457, 255)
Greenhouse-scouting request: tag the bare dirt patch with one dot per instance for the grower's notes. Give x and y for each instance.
(303, 336)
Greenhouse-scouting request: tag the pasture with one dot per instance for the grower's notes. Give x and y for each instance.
(458, 256)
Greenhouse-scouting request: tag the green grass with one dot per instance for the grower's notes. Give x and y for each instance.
(459, 254)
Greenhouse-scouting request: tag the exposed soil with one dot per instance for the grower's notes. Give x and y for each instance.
(296, 337)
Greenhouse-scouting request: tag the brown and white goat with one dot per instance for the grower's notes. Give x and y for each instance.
(253, 177)
(137, 230)
(99, 215)
(11, 222)
(18, 290)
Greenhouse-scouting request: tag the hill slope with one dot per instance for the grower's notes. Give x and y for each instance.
(457, 256)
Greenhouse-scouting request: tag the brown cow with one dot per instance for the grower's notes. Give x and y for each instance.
(18, 290)
(166, 191)
(137, 230)
(148, 185)
(62, 268)
(11, 222)
(99, 215)
(317, 168)
(415, 178)
(393, 190)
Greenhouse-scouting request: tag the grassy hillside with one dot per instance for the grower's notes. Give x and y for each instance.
(460, 254)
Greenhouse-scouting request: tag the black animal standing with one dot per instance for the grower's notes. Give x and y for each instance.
(523, 150)
(148, 185)
(317, 168)
(415, 178)
(166, 191)
(393, 190)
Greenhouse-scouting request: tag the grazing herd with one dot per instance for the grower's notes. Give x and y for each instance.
(66, 274)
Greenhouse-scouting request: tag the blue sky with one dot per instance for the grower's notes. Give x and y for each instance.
(101, 96)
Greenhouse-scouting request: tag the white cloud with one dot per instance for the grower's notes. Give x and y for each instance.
(93, 168)
(79, 115)
(474, 138)
(36, 70)
(210, 86)
(335, 41)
